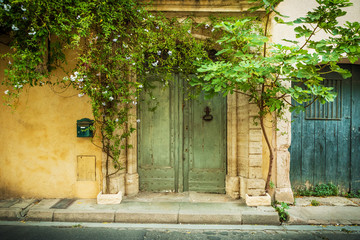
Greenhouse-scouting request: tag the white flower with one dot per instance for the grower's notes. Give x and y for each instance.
(107, 86)
(124, 45)
(140, 86)
(78, 17)
(138, 120)
(20, 86)
(81, 79)
(111, 98)
(6, 92)
(189, 31)
(9, 62)
(207, 25)
(115, 40)
(144, 19)
(116, 120)
(138, 10)
(73, 78)
(104, 104)
(134, 102)
(104, 92)
(128, 58)
(133, 64)
(170, 53)
(151, 16)
(13, 27)
(146, 30)
(22, 8)
(159, 53)
(7, 7)
(213, 29)
(155, 63)
(80, 94)
(32, 33)
(76, 73)
(157, 27)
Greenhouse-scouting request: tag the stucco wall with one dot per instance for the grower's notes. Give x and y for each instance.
(297, 8)
(39, 147)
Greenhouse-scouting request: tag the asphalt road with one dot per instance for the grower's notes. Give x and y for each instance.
(76, 231)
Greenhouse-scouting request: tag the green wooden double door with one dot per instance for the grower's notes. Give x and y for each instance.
(181, 142)
(325, 142)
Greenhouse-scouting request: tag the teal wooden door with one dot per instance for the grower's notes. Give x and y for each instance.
(325, 145)
(177, 149)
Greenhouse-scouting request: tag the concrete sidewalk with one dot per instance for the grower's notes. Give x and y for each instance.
(181, 209)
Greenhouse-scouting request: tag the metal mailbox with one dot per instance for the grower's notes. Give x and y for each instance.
(84, 127)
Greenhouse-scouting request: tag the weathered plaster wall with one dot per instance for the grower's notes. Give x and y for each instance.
(39, 146)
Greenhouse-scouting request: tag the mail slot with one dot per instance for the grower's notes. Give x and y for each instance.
(84, 127)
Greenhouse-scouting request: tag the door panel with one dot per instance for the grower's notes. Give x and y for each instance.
(325, 139)
(157, 138)
(205, 145)
(177, 149)
(355, 131)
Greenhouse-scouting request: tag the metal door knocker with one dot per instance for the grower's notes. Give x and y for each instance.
(207, 116)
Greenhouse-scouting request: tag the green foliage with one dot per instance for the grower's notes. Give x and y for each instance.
(314, 203)
(352, 194)
(320, 190)
(281, 209)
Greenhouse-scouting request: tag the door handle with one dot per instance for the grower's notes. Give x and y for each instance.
(207, 116)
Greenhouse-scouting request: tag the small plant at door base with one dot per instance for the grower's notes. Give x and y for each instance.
(352, 194)
(320, 190)
(281, 209)
(314, 203)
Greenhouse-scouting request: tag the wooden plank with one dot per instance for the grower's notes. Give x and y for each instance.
(308, 155)
(344, 137)
(320, 151)
(355, 130)
(331, 152)
(295, 149)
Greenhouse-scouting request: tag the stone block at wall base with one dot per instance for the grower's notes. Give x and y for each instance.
(232, 187)
(253, 201)
(131, 184)
(284, 195)
(109, 198)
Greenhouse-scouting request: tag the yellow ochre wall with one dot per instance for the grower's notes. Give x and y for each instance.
(39, 146)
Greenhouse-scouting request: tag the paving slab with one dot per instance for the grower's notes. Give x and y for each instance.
(260, 217)
(15, 209)
(147, 212)
(324, 215)
(42, 211)
(325, 201)
(210, 213)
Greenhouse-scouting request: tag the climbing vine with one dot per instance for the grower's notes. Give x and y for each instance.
(115, 42)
